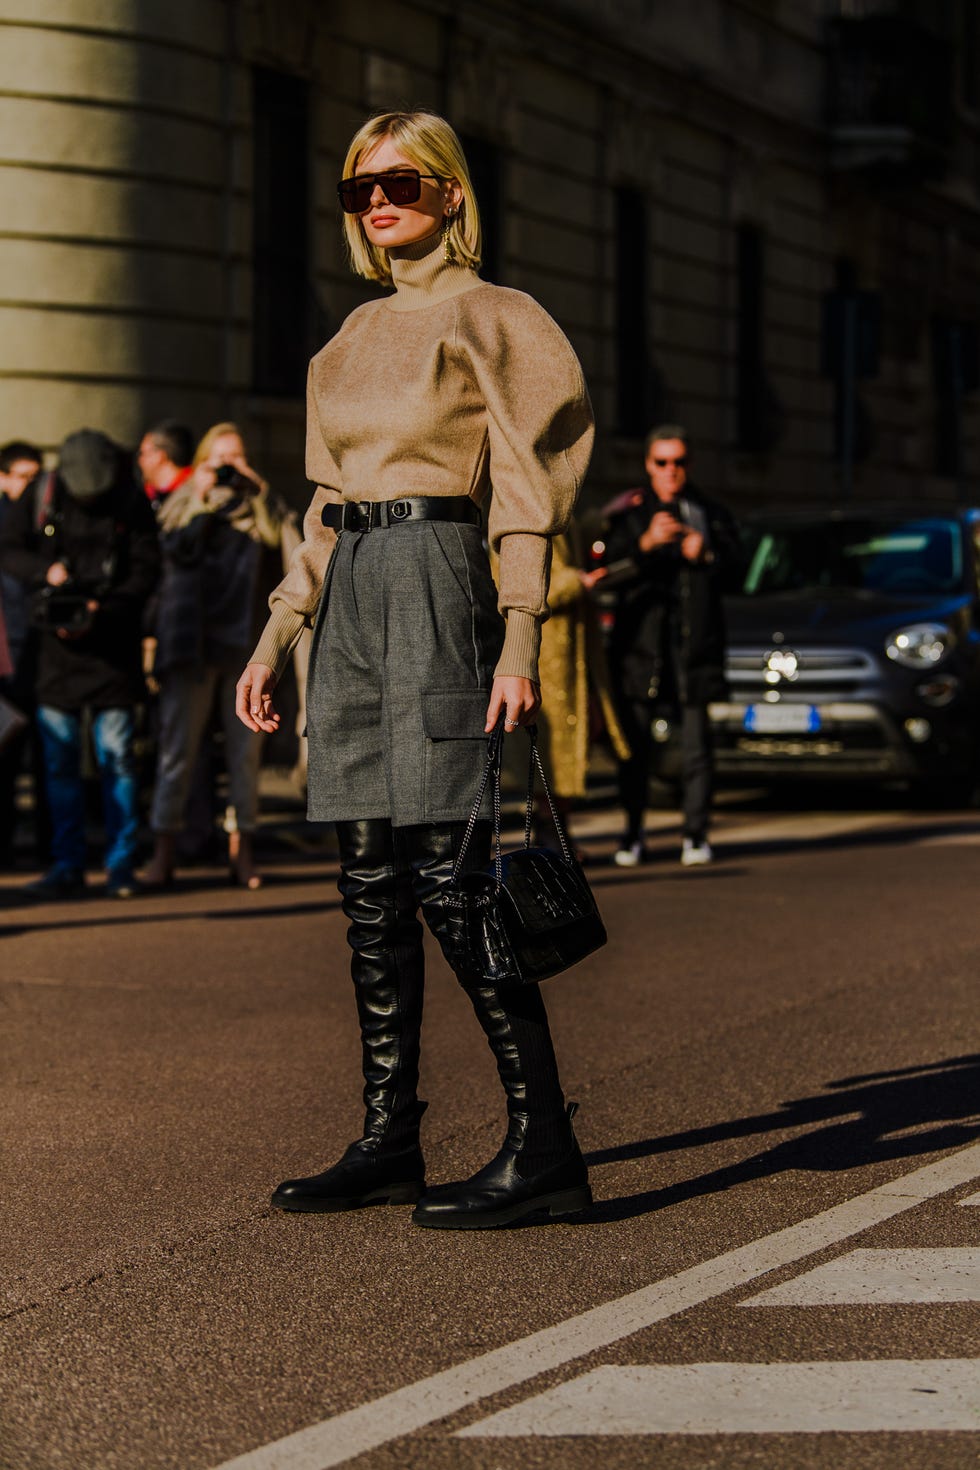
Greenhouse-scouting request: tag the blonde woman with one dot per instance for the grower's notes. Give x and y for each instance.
(213, 530)
(421, 400)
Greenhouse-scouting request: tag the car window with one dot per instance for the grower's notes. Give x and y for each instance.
(898, 558)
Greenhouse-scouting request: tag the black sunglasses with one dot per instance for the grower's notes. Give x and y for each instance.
(680, 460)
(402, 186)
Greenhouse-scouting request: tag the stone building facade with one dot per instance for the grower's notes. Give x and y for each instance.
(692, 187)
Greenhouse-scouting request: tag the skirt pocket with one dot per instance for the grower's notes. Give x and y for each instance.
(455, 750)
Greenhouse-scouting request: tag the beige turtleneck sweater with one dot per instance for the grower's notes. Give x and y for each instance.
(450, 386)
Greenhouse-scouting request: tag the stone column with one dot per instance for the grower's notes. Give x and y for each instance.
(123, 227)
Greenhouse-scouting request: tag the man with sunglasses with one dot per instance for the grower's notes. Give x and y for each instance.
(667, 546)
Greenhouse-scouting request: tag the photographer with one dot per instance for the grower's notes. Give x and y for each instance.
(215, 531)
(85, 546)
(667, 548)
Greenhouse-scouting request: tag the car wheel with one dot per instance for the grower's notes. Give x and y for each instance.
(950, 792)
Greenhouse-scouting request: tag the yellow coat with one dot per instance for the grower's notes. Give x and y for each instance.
(572, 659)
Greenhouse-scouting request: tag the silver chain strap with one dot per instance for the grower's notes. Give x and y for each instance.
(536, 763)
(492, 768)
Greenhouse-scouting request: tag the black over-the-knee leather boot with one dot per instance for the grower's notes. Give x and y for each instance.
(540, 1166)
(386, 1165)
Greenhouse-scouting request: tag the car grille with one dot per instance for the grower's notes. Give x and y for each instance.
(816, 668)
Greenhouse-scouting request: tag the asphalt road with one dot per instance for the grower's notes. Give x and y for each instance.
(777, 1061)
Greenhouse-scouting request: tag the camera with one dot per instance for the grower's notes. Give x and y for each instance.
(55, 608)
(225, 474)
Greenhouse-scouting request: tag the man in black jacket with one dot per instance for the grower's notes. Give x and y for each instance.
(85, 544)
(667, 546)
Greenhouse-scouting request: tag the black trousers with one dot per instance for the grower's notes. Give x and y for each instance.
(24, 748)
(697, 769)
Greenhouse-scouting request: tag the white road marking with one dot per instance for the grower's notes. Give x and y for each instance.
(885, 1277)
(751, 1398)
(379, 1421)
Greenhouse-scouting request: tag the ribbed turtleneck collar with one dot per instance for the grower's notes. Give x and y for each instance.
(423, 276)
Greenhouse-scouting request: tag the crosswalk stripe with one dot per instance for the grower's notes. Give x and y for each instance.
(971, 1199)
(750, 1398)
(884, 1277)
(381, 1420)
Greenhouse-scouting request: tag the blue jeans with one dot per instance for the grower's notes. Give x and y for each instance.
(61, 741)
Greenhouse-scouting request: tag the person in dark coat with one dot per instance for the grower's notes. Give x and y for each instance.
(216, 532)
(20, 464)
(667, 548)
(87, 550)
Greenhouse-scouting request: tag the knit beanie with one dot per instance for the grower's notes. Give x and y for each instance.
(88, 464)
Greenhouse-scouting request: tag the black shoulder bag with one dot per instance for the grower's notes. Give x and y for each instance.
(531, 914)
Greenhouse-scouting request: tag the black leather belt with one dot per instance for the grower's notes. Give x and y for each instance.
(371, 515)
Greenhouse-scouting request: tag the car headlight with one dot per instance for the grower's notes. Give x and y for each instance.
(920, 645)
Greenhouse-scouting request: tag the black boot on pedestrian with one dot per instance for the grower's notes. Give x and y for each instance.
(540, 1166)
(385, 1166)
(500, 1193)
(369, 1173)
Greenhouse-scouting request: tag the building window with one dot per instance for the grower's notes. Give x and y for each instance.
(486, 173)
(956, 374)
(633, 367)
(968, 52)
(750, 392)
(280, 232)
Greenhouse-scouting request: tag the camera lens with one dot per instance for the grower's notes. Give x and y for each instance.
(224, 474)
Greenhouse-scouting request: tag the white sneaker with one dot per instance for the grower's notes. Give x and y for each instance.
(695, 854)
(629, 857)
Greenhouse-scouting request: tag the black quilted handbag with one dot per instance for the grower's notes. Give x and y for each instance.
(531, 914)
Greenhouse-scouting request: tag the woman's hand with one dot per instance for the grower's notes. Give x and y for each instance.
(518, 700)
(258, 486)
(253, 699)
(237, 461)
(202, 481)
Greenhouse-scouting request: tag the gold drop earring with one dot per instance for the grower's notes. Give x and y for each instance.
(448, 249)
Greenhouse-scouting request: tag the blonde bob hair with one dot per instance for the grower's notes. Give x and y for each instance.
(216, 431)
(428, 142)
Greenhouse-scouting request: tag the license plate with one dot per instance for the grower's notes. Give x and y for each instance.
(782, 719)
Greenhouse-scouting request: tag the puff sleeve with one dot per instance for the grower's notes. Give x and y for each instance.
(540, 430)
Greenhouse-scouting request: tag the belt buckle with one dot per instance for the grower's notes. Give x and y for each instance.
(400, 510)
(357, 516)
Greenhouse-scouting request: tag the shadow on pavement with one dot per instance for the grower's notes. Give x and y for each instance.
(901, 1114)
(141, 915)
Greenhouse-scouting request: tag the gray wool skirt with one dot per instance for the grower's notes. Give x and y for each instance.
(406, 640)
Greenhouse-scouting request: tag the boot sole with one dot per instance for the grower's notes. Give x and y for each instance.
(564, 1202)
(398, 1194)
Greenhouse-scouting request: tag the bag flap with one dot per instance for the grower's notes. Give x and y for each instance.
(543, 891)
(455, 714)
